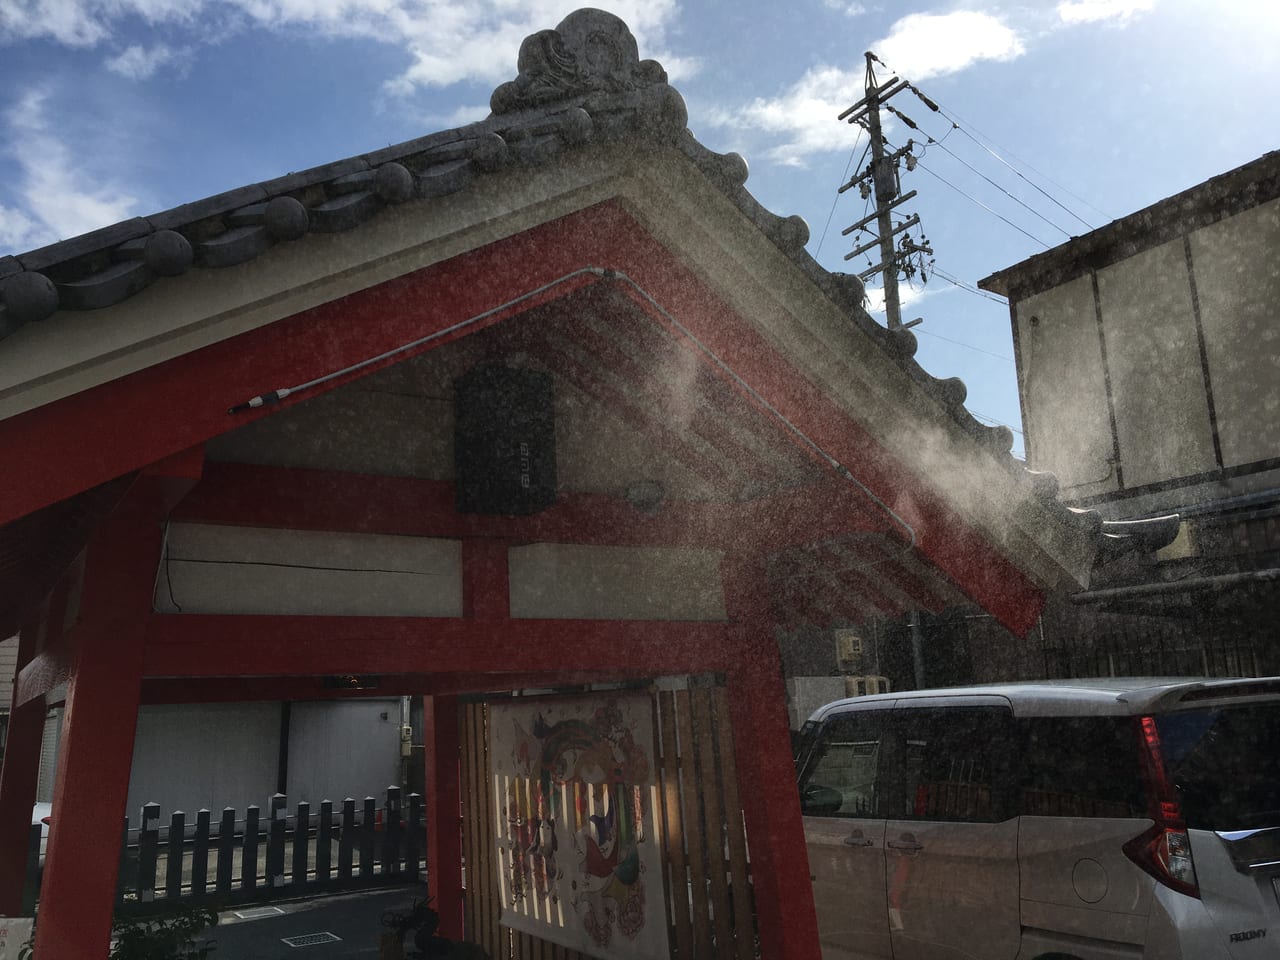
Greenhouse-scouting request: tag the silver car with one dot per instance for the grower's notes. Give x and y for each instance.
(1072, 820)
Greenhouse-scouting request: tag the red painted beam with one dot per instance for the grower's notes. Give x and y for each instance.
(486, 580)
(168, 690)
(249, 495)
(158, 690)
(213, 645)
(80, 441)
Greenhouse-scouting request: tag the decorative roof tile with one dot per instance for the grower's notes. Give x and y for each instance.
(579, 83)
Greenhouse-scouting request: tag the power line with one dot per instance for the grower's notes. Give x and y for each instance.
(967, 346)
(955, 123)
(997, 422)
(956, 282)
(982, 205)
(956, 119)
(911, 123)
(843, 178)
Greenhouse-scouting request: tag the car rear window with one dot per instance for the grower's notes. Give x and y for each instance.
(1079, 767)
(1225, 763)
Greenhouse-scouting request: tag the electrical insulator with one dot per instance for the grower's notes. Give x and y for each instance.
(911, 162)
(864, 188)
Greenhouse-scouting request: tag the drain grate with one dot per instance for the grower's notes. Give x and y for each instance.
(257, 913)
(310, 939)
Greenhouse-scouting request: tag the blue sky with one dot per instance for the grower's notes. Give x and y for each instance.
(117, 108)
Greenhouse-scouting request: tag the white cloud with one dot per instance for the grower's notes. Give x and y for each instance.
(849, 9)
(139, 63)
(447, 41)
(59, 197)
(805, 115)
(909, 298)
(920, 46)
(478, 41)
(19, 232)
(1092, 11)
(72, 23)
(925, 45)
(84, 23)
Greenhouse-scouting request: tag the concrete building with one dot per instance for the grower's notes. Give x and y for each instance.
(1148, 357)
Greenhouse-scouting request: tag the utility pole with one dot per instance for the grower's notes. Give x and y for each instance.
(881, 176)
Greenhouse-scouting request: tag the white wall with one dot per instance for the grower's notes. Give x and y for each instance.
(560, 581)
(1154, 359)
(225, 569)
(188, 756)
(8, 668)
(1153, 354)
(1239, 287)
(343, 748)
(1068, 425)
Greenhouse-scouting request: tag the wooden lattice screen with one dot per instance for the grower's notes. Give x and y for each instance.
(710, 912)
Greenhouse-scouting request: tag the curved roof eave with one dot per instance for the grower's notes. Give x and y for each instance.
(540, 118)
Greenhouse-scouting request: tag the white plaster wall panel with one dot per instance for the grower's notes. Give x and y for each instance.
(224, 569)
(596, 452)
(358, 428)
(1238, 279)
(49, 740)
(343, 748)
(399, 422)
(1153, 354)
(1068, 425)
(188, 756)
(8, 669)
(560, 581)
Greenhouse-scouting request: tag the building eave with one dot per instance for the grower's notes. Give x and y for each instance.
(1226, 195)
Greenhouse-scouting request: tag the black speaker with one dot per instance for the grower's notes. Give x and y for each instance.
(504, 441)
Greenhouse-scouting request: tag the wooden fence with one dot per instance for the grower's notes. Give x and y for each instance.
(710, 912)
(266, 854)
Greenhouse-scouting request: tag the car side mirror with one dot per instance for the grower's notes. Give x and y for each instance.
(817, 800)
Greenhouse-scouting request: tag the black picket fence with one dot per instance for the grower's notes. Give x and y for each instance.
(266, 855)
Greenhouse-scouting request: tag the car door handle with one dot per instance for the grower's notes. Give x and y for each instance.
(856, 839)
(910, 846)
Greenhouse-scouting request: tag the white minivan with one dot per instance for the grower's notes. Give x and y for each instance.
(1069, 820)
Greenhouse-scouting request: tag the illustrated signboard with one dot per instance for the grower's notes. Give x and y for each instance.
(15, 934)
(578, 846)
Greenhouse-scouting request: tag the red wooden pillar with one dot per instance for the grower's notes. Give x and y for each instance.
(762, 746)
(95, 755)
(18, 780)
(486, 597)
(444, 821)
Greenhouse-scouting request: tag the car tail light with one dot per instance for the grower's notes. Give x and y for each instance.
(1164, 851)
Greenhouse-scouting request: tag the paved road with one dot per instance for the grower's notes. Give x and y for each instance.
(354, 918)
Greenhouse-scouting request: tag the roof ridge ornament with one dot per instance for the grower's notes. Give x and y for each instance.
(589, 52)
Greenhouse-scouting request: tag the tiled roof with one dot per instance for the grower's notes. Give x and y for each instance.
(580, 83)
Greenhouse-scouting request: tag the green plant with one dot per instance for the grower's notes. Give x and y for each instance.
(170, 936)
